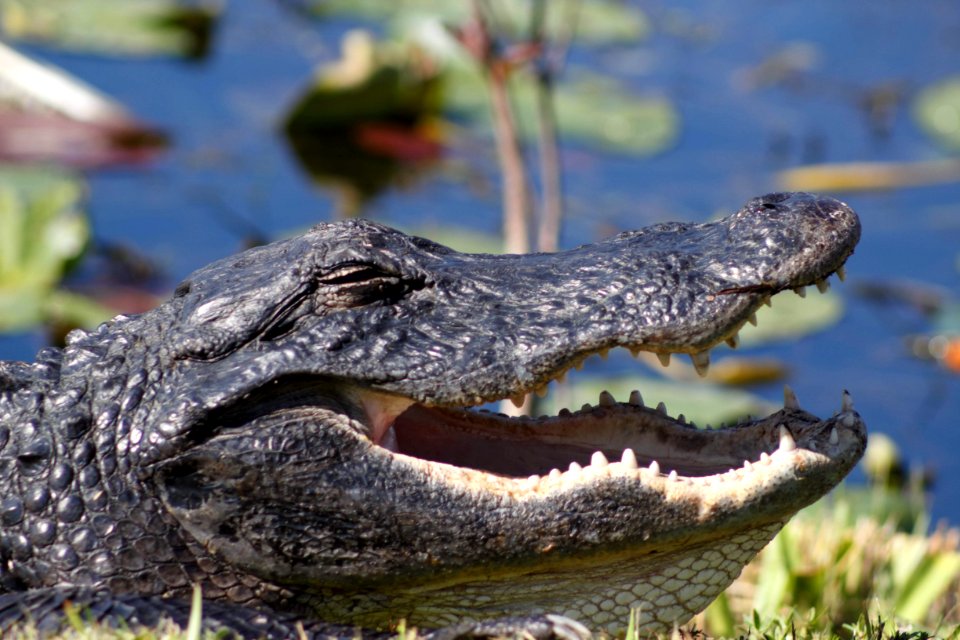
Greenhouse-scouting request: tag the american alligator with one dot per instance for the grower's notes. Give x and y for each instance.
(291, 432)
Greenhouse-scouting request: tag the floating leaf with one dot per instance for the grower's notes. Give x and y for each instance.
(593, 110)
(701, 403)
(597, 21)
(868, 176)
(791, 317)
(144, 27)
(48, 115)
(42, 232)
(370, 82)
(938, 112)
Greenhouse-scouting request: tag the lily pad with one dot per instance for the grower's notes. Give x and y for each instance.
(596, 22)
(938, 111)
(144, 27)
(42, 232)
(703, 404)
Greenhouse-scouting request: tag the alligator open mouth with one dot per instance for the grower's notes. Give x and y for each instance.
(610, 438)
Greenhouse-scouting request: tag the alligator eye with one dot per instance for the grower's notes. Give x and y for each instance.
(355, 284)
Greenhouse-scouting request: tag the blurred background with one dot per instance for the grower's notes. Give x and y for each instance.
(142, 140)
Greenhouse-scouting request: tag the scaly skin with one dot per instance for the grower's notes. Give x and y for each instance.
(289, 432)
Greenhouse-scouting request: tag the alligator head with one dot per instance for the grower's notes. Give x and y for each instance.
(308, 420)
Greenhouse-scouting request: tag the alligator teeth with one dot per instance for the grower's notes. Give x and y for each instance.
(787, 443)
(562, 377)
(752, 319)
(682, 419)
(842, 273)
(701, 362)
(629, 459)
(578, 365)
(672, 475)
(747, 465)
(636, 399)
(800, 291)
(574, 467)
(541, 391)
(664, 359)
(518, 399)
(834, 436)
(604, 353)
(733, 341)
(607, 399)
(654, 468)
(635, 351)
(764, 457)
(662, 408)
(823, 286)
(846, 401)
(586, 407)
(598, 459)
(534, 479)
(563, 413)
(554, 474)
(848, 420)
(790, 398)
(768, 301)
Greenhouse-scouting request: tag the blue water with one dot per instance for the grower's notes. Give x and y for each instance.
(229, 175)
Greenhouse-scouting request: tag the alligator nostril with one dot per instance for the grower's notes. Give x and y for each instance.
(769, 205)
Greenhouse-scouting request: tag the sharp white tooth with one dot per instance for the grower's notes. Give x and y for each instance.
(672, 475)
(389, 440)
(664, 359)
(629, 459)
(701, 362)
(578, 365)
(607, 399)
(768, 301)
(662, 408)
(834, 436)
(598, 459)
(765, 457)
(586, 407)
(842, 273)
(752, 319)
(790, 398)
(604, 353)
(846, 401)
(682, 419)
(554, 474)
(636, 399)
(562, 377)
(800, 291)
(747, 465)
(733, 341)
(654, 467)
(823, 285)
(574, 467)
(534, 479)
(518, 399)
(541, 391)
(635, 351)
(787, 443)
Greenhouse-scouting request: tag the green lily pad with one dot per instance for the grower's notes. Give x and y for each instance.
(597, 21)
(791, 317)
(937, 110)
(42, 232)
(144, 27)
(593, 110)
(704, 404)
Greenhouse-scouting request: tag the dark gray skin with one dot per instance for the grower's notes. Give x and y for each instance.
(246, 436)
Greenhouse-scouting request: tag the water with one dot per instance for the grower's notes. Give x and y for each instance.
(230, 177)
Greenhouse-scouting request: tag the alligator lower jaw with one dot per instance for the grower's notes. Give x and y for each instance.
(536, 456)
